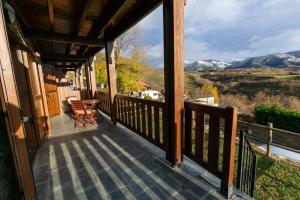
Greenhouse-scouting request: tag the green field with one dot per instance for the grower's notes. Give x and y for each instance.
(277, 180)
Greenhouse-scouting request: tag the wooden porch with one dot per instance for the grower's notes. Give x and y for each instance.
(109, 162)
(47, 38)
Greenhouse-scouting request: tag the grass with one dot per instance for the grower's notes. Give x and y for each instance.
(277, 179)
(287, 76)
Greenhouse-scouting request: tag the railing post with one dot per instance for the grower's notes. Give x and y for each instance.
(229, 151)
(270, 136)
(173, 17)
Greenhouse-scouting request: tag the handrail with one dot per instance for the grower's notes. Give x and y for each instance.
(147, 118)
(266, 127)
(203, 146)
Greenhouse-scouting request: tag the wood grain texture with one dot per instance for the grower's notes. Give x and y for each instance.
(111, 75)
(173, 12)
(13, 118)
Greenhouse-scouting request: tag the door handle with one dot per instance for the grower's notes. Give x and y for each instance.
(29, 120)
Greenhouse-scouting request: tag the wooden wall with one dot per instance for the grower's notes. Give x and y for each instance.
(9, 186)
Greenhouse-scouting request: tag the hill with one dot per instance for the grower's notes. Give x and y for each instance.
(207, 65)
(278, 60)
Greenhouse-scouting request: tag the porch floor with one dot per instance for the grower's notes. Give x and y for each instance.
(108, 162)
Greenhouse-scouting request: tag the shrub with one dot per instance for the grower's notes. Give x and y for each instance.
(280, 117)
(148, 97)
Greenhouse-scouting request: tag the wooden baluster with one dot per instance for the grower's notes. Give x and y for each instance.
(188, 132)
(129, 113)
(164, 128)
(138, 107)
(119, 110)
(144, 131)
(213, 143)
(133, 115)
(149, 113)
(199, 136)
(123, 110)
(156, 125)
(126, 111)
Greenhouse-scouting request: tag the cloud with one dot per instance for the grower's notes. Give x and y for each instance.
(230, 29)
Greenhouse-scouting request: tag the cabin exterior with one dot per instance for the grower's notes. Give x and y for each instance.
(41, 40)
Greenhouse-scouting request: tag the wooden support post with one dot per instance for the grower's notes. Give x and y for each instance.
(81, 78)
(87, 78)
(173, 11)
(270, 138)
(229, 151)
(92, 76)
(111, 77)
(10, 102)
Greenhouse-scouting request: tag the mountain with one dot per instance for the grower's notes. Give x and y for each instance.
(206, 65)
(278, 60)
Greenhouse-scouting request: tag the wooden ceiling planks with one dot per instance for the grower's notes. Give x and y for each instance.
(103, 19)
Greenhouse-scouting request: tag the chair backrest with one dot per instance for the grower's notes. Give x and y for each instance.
(71, 98)
(77, 106)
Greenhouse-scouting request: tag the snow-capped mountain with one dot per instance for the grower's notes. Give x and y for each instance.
(204, 65)
(278, 60)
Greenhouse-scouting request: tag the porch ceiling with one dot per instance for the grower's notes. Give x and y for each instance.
(70, 27)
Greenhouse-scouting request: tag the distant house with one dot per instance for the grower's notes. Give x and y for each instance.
(144, 84)
(207, 101)
(152, 93)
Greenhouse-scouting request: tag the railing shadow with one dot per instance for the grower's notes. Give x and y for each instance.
(105, 163)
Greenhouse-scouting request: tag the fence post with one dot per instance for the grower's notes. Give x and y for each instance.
(270, 136)
(229, 151)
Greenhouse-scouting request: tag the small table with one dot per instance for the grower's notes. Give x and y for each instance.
(92, 104)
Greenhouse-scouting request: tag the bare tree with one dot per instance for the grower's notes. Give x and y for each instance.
(127, 42)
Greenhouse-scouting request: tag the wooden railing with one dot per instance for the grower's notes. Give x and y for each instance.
(209, 146)
(104, 105)
(144, 117)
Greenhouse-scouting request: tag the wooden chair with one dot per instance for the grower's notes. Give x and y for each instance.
(68, 100)
(82, 115)
(78, 113)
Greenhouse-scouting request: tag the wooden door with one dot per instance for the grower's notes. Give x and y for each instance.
(37, 96)
(51, 91)
(26, 103)
(39, 104)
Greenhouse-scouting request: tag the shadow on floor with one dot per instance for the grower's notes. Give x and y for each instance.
(103, 162)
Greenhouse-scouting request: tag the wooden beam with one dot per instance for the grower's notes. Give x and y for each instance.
(173, 12)
(111, 77)
(132, 19)
(51, 14)
(10, 101)
(63, 57)
(61, 60)
(61, 38)
(102, 21)
(81, 19)
(68, 66)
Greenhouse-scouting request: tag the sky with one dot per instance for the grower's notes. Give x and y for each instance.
(228, 30)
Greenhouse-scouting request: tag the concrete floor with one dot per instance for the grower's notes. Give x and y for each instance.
(108, 162)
